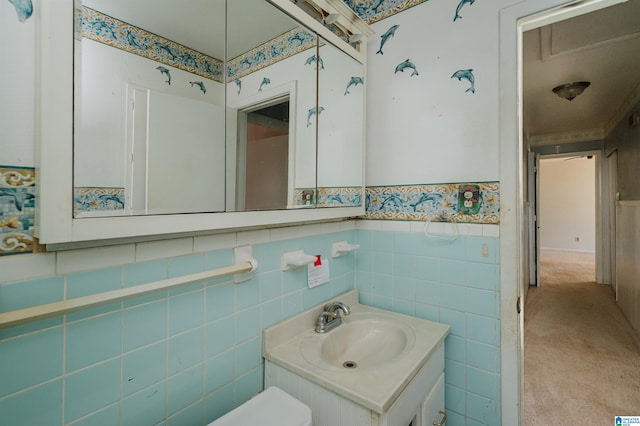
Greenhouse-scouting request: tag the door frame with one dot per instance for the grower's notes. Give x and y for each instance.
(533, 204)
(513, 20)
(236, 139)
(602, 215)
(612, 161)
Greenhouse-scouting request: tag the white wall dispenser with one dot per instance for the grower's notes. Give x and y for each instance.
(295, 259)
(341, 248)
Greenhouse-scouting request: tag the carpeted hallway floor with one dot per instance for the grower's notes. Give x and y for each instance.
(581, 356)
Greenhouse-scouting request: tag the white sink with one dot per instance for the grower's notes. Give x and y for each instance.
(364, 340)
(369, 359)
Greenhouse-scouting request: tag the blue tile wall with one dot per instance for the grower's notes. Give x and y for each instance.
(189, 356)
(186, 356)
(453, 282)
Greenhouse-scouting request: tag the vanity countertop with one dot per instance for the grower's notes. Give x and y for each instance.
(287, 345)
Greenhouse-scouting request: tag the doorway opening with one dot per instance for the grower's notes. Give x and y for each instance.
(515, 20)
(263, 156)
(564, 199)
(567, 219)
(572, 323)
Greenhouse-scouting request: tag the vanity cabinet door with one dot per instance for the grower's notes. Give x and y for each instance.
(433, 405)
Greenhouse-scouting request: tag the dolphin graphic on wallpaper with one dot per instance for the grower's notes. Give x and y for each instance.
(353, 82)
(467, 75)
(335, 198)
(19, 198)
(265, 81)
(102, 28)
(166, 72)
(199, 84)
(24, 9)
(313, 58)
(363, 9)
(434, 198)
(392, 199)
(297, 37)
(404, 65)
(113, 198)
(311, 113)
(239, 85)
(166, 48)
(189, 60)
(384, 37)
(131, 39)
(460, 5)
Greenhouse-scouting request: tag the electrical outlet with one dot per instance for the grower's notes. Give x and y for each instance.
(469, 199)
(308, 197)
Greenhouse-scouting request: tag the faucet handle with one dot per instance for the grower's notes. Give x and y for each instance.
(329, 314)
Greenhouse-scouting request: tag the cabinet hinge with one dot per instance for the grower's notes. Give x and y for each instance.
(518, 304)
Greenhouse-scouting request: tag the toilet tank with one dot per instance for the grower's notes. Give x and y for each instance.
(273, 407)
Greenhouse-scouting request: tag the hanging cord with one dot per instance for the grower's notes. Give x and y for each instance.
(444, 236)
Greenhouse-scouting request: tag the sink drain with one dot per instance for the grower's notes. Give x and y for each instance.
(349, 364)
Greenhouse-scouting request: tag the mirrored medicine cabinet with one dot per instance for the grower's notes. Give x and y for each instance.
(189, 116)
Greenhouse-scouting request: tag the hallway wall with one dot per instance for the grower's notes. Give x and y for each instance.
(567, 204)
(625, 138)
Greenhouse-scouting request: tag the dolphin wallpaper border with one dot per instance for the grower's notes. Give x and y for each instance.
(437, 202)
(17, 209)
(343, 196)
(121, 35)
(375, 10)
(89, 199)
(286, 45)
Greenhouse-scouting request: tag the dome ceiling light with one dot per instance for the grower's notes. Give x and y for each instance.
(570, 90)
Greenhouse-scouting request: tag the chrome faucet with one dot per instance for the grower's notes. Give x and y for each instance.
(330, 317)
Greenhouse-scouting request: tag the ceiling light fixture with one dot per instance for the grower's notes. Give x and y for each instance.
(570, 90)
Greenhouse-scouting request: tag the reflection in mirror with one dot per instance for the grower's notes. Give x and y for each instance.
(271, 91)
(149, 107)
(161, 126)
(263, 157)
(340, 128)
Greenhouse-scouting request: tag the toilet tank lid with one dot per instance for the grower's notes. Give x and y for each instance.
(273, 406)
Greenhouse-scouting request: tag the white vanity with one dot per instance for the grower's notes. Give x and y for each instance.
(378, 368)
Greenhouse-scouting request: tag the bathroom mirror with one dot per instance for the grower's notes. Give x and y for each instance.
(340, 128)
(271, 99)
(149, 107)
(149, 125)
(126, 147)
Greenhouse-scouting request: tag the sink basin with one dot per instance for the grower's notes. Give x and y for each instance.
(369, 359)
(364, 340)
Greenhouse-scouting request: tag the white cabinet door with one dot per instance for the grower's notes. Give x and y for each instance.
(433, 405)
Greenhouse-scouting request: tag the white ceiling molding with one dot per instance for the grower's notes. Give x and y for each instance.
(568, 137)
(565, 12)
(547, 45)
(623, 110)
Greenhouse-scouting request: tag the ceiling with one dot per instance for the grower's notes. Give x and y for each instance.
(602, 47)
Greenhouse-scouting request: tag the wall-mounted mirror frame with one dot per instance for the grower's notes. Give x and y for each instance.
(55, 224)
